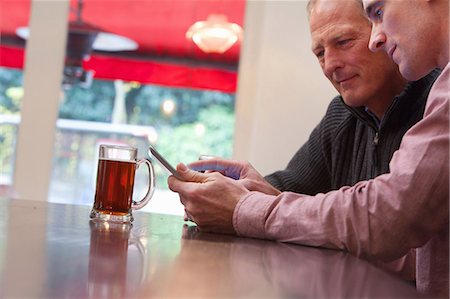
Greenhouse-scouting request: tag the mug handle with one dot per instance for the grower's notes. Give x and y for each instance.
(136, 205)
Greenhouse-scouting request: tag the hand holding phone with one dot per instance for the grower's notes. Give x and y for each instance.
(153, 153)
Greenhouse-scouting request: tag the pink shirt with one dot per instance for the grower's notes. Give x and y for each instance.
(380, 219)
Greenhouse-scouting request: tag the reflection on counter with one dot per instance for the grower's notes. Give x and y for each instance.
(108, 256)
(210, 265)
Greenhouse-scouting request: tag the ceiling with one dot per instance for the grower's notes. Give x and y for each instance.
(164, 55)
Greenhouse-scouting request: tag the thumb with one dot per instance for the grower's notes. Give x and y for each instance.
(189, 175)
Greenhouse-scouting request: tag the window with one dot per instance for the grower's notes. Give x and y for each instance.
(11, 92)
(181, 123)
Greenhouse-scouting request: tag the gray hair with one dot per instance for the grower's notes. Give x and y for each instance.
(312, 3)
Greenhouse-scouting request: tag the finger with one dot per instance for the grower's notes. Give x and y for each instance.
(190, 175)
(228, 168)
(189, 182)
(210, 164)
(174, 183)
(183, 187)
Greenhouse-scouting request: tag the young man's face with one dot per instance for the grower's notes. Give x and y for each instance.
(340, 35)
(401, 29)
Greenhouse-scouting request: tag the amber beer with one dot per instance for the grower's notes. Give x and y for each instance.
(115, 182)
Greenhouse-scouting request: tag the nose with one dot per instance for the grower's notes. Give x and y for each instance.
(332, 61)
(377, 39)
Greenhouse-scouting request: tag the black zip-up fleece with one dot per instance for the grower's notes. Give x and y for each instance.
(348, 146)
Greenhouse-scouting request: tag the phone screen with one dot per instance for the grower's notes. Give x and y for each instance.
(163, 162)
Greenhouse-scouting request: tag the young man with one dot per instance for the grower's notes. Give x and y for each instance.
(380, 219)
(415, 34)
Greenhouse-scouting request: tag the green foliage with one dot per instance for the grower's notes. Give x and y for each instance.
(93, 104)
(185, 143)
(10, 101)
(188, 103)
(202, 123)
(10, 79)
(7, 147)
(143, 103)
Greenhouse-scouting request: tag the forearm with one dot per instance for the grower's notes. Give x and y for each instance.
(379, 219)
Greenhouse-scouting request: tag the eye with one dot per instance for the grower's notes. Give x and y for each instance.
(319, 53)
(343, 42)
(378, 13)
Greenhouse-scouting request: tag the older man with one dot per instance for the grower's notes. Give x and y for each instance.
(380, 219)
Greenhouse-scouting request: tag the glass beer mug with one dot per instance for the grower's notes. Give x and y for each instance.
(115, 182)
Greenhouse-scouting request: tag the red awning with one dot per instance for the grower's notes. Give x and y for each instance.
(164, 57)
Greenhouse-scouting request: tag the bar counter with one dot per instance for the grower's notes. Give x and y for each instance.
(50, 250)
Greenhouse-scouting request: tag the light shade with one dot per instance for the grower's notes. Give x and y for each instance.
(82, 39)
(104, 41)
(215, 35)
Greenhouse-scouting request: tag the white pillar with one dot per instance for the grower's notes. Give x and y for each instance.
(44, 61)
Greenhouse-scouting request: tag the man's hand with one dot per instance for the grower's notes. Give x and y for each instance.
(209, 198)
(242, 171)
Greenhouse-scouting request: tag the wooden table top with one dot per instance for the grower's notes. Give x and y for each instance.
(50, 250)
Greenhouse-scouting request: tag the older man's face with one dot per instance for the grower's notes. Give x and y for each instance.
(340, 35)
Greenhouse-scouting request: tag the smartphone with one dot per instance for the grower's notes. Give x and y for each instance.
(152, 152)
